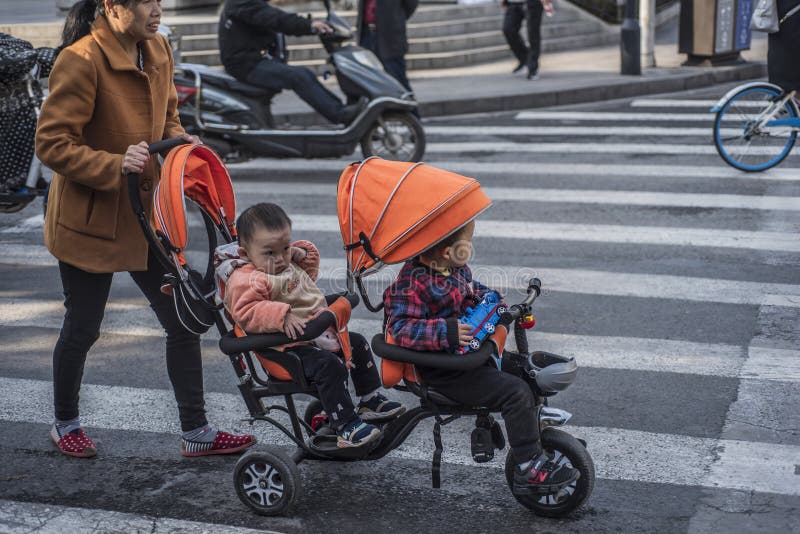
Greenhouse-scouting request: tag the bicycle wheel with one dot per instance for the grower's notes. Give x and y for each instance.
(741, 136)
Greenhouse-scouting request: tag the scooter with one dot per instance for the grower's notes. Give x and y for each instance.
(235, 118)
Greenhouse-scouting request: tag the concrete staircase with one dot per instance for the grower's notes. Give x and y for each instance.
(440, 36)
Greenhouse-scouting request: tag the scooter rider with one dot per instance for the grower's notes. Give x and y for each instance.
(248, 44)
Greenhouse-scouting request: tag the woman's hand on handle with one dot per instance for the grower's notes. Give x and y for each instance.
(191, 139)
(135, 159)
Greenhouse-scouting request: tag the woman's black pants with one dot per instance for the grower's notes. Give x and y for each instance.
(85, 296)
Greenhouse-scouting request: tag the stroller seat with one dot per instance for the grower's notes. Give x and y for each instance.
(398, 364)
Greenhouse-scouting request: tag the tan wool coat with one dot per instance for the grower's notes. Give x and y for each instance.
(99, 104)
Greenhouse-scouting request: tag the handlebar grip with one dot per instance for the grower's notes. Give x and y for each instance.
(166, 145)
(534, 284)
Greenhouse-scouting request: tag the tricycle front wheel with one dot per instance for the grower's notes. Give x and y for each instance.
(564, 449)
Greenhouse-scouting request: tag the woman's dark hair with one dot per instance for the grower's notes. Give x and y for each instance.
(80, 17)
(262, 215)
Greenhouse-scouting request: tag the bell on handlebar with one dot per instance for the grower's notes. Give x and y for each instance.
(527, 322)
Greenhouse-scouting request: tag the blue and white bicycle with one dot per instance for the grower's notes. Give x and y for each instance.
(756, 126)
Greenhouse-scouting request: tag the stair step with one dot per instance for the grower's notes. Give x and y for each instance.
(440, 36)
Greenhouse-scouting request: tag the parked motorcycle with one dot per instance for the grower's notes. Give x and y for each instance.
(235, 118)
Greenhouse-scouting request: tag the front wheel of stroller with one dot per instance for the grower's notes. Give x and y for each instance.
(268, 482)
(395, 136)
(564, 449)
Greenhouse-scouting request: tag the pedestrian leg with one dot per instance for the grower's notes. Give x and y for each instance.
(535, 11)
(512, 22)
(184, 360)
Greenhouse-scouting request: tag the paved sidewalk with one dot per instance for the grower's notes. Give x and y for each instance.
(565, 77)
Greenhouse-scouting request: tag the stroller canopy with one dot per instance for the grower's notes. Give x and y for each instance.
(197, 173)
(390, 211)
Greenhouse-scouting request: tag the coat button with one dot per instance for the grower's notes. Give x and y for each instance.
(146, 185)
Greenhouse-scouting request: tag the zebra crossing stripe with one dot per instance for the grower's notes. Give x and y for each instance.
(576, 281)
(592, 131)
(34, 517)
(685, 103)
(619, 454)
(602, 352)
(580, 196)
(700, 116)
(605, 233)
(488, 170)
(595, 148)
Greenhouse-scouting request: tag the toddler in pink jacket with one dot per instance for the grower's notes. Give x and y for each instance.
(269, 286)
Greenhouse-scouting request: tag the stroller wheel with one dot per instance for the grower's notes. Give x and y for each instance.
(566, 449)
(268, 482)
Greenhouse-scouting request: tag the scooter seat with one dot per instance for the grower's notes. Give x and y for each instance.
(232, 84)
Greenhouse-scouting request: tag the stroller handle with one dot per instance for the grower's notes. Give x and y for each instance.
(166, 145)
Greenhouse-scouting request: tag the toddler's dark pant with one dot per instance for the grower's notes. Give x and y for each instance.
(329, 374)
(486, 386)
(85, 296)
(364, 372)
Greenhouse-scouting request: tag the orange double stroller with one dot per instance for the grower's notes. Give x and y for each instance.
(388, 212)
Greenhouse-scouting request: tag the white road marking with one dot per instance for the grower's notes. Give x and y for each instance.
(591, 233)
(605, 233)
(687, 103)
(580, 196)
(577, 281)
(782, 365)
(577, 131)
(490, 169)
(24, 517)
(619, 454)
(594, 148)
(700, 116)
(603, 352)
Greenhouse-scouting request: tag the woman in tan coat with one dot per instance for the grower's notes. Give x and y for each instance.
(111, 94)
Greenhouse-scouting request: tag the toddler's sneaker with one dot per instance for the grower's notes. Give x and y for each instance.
(75, 443)
(379, 408)
(541, 476)
(356, 434)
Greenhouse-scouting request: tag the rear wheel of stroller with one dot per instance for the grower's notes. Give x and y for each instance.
(395, 136)
(267, 481)
(564, 449)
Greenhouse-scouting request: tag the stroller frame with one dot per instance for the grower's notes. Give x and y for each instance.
(268, 481)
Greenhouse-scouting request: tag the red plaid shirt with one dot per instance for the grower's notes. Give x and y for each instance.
(422, 306)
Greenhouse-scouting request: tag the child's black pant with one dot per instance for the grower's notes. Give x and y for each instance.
(486, 386)
(328, 373)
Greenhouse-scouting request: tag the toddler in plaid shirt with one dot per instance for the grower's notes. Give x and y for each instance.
(421, 310)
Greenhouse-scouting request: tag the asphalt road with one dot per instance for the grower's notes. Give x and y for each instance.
(671, 277)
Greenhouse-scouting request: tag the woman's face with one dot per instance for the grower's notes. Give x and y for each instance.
(138, 20)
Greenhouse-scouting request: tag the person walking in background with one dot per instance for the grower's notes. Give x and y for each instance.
(527, 55)
(784, 47)
(382, 29)
(111, 95)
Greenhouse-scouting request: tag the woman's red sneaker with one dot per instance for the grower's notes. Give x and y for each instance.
(224, 443)
(75, 443)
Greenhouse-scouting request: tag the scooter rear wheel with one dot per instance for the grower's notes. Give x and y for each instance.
(564, 448)
(395, 136)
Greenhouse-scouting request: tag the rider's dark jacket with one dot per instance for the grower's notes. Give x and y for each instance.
(247, 29)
